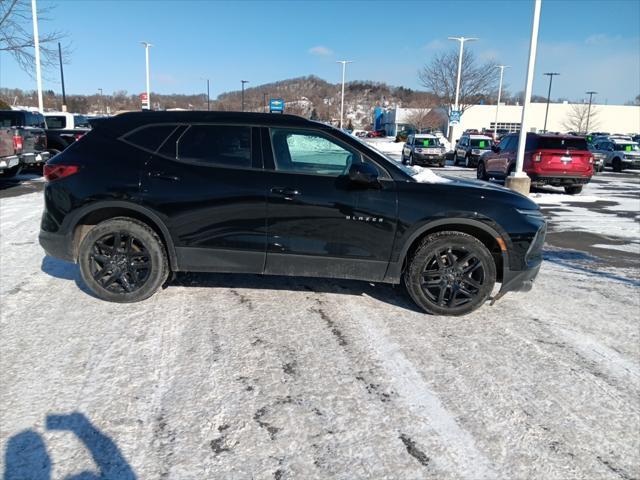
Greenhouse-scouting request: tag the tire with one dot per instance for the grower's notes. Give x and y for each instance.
(573, 190)
(441, 164)
(617, 165)
(455, 159)
(481, 171)
(410, 161)
(467, 161)
(11, 172)
(436, 258)
(402, 159)
(118, 281)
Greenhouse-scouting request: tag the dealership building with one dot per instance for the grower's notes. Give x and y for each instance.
(604, 118)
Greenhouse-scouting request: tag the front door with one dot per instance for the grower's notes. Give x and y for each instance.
(318, 222)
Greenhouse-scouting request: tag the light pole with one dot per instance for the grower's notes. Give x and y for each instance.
(64, 96)
(146, 50)
(208, 97)
(518, 180)
(36, 43)
(264, 102)
(344, 68)
(243, 82)
(550, 75)
(495, 124)
(591, 94)
(101, 104)
(458, 80)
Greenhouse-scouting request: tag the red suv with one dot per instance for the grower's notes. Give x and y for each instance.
(556, 160)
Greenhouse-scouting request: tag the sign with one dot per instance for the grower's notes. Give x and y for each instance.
(144, 98)
(276, 105)
(454, 117)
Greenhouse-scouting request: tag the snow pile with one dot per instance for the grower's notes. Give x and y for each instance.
(385, 145)
(426, 175)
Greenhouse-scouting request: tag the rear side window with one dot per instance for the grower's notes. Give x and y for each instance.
(223, 145)
(562, 143)
(56, 121)
(151, 137)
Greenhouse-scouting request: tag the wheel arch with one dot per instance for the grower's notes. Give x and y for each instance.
(87, 217)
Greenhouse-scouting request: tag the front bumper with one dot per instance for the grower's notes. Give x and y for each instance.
(537, 179)
(428, 158)
(9, 162)
(34, 157)
(56, 245)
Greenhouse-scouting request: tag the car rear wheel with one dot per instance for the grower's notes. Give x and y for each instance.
(573, 190)
(481, 172)
(450, 273)
(410, 161)
(123, 260)
(617, 165)
(467, 162)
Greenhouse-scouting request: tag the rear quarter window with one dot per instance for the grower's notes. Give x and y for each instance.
(150, 137)
(56, 121)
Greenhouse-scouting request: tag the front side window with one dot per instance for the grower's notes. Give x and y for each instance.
(222, 145)
(311, 153)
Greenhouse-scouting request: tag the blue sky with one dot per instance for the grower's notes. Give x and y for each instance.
(595, 45)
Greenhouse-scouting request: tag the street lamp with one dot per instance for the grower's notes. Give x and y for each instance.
(146, 50)
(243, 82)
(36, 44)
(495, 124)
(100, 90)
(550, 75)
(457, 107)
(344, 67)
(591, 94)
(208, 97)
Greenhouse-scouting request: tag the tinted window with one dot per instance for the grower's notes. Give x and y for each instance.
(310, 152)
(56, 121)
(10, 119)
(81, 121)
(150, 138)
(217, 145)
(508, 144)
(170, 146)
(562, 143)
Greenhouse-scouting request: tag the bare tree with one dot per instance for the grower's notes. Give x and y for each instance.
(422, 118)
(477, 82)
(576, 119)
(16, 35)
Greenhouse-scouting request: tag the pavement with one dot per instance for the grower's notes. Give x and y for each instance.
(251, 377)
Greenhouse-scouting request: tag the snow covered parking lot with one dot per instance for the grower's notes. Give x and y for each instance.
(249, 377)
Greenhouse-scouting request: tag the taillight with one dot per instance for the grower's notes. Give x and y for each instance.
(56, 172)
(78, 136)
(537, 157)
(17, 143)
(590, 159)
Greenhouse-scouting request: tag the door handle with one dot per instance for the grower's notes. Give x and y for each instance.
(164, 176)
(285, 191)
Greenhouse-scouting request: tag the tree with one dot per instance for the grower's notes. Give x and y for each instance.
(422, 118)
(576, 119)
(350, 125)
(4, 105)
(16, 35)
(476, 81)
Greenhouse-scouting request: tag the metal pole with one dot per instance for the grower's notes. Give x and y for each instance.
(344, 68)
(527, 91)
(208, 97)
(243, 82)
(456, 106)
(495, 124)
(264, 102)
(101, 102)
(36, 42)
(591, 94)
(64, 96)
(146, 50)
(550, 74)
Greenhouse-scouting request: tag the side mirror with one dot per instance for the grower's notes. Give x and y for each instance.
(363, 174)
(495, 148)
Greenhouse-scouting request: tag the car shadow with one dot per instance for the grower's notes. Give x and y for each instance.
(391, 294)
(26, 455)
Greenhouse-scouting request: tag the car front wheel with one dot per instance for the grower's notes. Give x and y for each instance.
(573, 190)
(123, 260)
(450, 273)
(481, 172)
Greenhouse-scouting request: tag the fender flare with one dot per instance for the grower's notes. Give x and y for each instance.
(71, 222)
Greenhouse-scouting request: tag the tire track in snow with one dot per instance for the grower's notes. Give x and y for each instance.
(465, 460)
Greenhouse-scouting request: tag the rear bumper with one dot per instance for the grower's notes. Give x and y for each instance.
(56, 245)
(34, 157)
(558, 181)
(9, 162)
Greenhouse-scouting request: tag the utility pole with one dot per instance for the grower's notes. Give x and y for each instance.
(458, 80)
(64, 96)
(146, 50)
(208, 97)
(243, 82)
(36, 42)
(344, 67)
(101, 102)
(264, 102)
(550, 75)
(591, 94)
(495, 124)
(518, 180)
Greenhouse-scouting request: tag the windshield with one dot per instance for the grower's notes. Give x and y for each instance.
(484, 144)
(627, 147)
(427, 142)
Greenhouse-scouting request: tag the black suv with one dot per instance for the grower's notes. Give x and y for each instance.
(147, 194)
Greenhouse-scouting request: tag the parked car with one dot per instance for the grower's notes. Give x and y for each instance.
(423, 149)
(64, 128)
(145, 194)
(377, 134)
(556, 160)
(598, 158)
(470, 148)
(29, 128)
(10, 149)
(619, 153)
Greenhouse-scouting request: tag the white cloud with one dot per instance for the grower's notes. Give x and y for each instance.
(321, 51)
(435, 44)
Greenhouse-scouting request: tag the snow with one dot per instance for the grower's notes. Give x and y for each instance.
(251, 377)
(426, 175)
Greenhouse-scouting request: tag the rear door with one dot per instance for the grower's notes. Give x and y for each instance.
(318, 223)
(207, 182)
(497, 162)
(563, 156)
